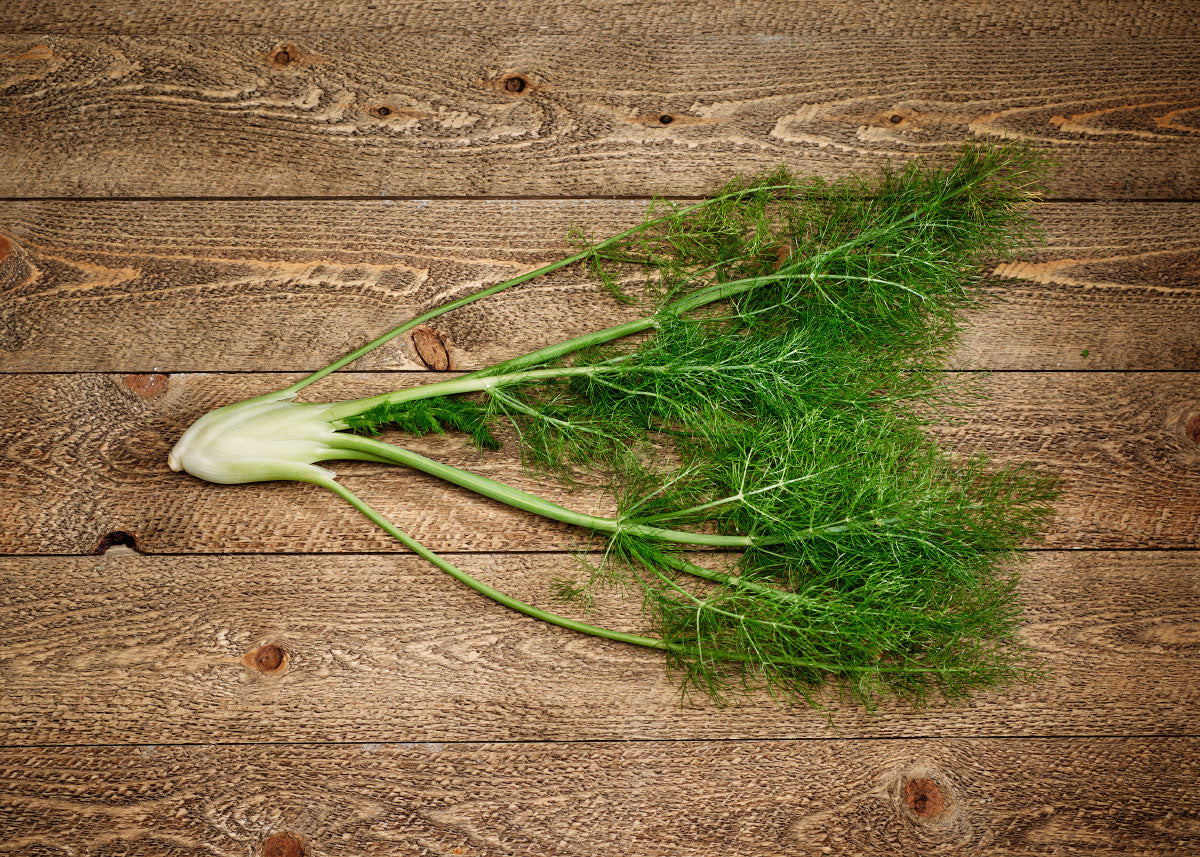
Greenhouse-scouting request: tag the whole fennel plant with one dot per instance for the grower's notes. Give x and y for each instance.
(767, 412)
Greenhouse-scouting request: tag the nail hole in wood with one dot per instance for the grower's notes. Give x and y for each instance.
(924, 798)
(896, 119)
(515, 84)
(282, 845)
(666, 119)
(267, 659)
(1192, 427)
(116, 537)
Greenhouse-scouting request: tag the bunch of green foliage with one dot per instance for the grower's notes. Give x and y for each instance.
(783, 513)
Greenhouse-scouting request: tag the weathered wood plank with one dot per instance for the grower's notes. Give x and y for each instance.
(84, 455)
(961, 797)
(263, 285)
(577, 114)
(171, 646)
(933, 19)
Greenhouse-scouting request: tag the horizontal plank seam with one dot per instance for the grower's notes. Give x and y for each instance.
(423, 372)
(548, 552)
(499, 198)
(1087, 736)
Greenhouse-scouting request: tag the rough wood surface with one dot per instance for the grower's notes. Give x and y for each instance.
(583, 114)
(85, 455)
(384, 648)
(263, 285)
(209, 697)
(960, 797)
(933, 19)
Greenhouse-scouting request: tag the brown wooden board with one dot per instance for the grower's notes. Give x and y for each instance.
(84, 455)
(201, 199)
(254, 285)
(933, 19)
(1097, 796)
(579, 114)
(130, 649)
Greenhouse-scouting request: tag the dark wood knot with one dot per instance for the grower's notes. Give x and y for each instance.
(289, 56)
(666, 119)
(515, 84)
(382, 111)
(896, 118)
(267, 659)
(924, 798)
(431, 349)
(1192, 428)
(282, 845)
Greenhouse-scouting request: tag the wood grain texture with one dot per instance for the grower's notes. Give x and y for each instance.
(934, 19)
(1026, 797)
(84, 455)
(130, 649)
(264, 285)
(595, 114)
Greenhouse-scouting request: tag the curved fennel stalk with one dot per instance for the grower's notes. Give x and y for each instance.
(545, 615)
(478, 585)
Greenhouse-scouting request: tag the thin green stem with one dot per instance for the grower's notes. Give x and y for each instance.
(514, 281)
(569, 346)
(519, 606)
(477, 381)
(519, 499)
(432, 314)
(338, 412)
(731, 580)
(481, 587)
(705, 296)
(465, 384)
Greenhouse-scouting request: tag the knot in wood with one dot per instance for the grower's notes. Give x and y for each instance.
(1192, 428)
(666, 119)
(268, 659)
(431, 349)
(515, 84)
(924, 798)
(282, 845)
(282, 57)
(896, 118)
(146, 385)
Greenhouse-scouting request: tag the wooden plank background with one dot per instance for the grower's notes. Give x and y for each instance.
(410, 115)
(199, 286)
(198, 198)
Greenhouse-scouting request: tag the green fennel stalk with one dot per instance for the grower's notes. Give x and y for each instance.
(770, 405)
